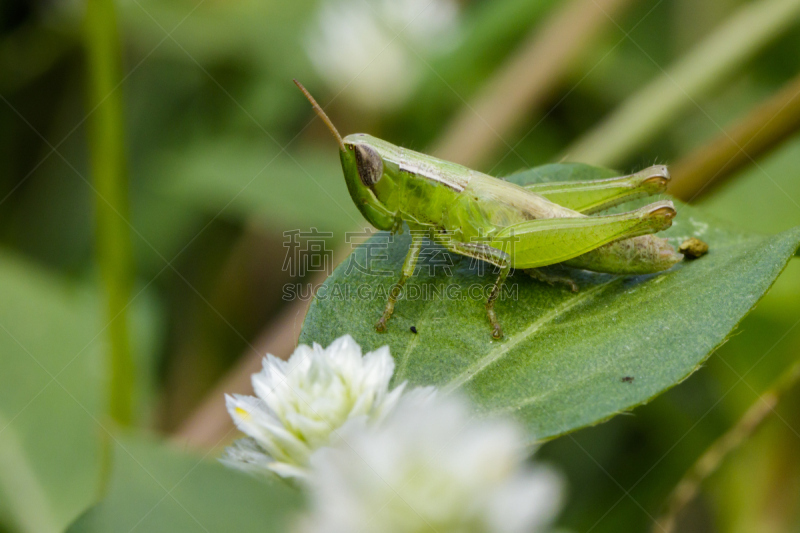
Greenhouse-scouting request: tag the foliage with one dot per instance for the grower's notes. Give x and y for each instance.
(51, 405)
(155, 488)
(225, 156)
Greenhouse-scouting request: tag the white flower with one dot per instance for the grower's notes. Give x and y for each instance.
(363, 45)
(301, 403)
(430, 467)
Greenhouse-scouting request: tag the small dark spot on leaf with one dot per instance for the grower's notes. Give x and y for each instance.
(413, 329)
(627, 379)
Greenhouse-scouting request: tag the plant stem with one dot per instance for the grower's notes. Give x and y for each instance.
(525, 80)
(209, 424)
(109, 174)
(761, 130)
(707, 464)
(649, 111)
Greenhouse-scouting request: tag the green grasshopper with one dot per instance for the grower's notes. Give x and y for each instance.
(504, 224)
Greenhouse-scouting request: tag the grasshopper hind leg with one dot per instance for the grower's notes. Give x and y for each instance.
(497, 330)
(589, 197)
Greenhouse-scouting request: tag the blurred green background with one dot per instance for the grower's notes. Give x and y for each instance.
(222, 155)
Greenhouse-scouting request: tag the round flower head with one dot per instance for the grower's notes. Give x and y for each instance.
(301, 403)
(359, 39)
(431, 467)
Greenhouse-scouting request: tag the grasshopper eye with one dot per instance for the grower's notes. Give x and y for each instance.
(369, 164)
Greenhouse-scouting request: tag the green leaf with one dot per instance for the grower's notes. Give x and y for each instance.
(155, 488)
(562, 361)
(51, 401)
(48, 444)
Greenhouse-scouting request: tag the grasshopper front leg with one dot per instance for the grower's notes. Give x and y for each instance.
(408, 270)
(475, 250)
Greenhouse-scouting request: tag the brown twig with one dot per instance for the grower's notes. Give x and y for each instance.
(707, 464)
(711, 62)
(526, 79)
(209, 422)
(762, 129)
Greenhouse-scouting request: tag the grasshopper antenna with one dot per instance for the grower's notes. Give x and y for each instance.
(321, 114)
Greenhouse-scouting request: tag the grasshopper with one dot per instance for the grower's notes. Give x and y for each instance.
(504, 224)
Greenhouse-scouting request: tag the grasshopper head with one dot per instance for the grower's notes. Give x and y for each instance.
(362, 165)
(368, 162)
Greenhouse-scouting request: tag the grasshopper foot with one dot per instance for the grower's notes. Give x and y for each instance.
(381, 326)
(497, 331)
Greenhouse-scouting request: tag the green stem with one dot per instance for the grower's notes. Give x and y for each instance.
(108, 163)
(647, 113)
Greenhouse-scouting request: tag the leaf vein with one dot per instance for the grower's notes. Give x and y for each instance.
(531, 330)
